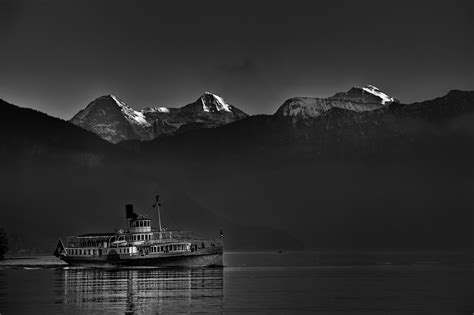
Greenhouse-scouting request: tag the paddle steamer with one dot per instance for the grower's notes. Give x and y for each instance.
(141, 245)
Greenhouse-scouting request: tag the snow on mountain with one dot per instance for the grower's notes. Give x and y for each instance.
(375, 91)
(216, 100)
(155, 109)
(356, 99)
(135, 117)
(115, 121)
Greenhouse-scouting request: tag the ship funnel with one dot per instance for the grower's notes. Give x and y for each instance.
(129, 211)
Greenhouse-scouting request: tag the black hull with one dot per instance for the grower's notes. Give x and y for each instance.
(188, 261)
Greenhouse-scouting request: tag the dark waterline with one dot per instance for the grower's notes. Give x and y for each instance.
(252, 282)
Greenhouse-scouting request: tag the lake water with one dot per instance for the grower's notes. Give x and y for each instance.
(285, 283)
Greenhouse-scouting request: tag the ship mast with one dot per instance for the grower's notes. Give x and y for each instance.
(157, 204)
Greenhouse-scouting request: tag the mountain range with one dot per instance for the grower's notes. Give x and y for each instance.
(114, 121)
(359, 169)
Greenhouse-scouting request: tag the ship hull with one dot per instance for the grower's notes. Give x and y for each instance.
(189, 261)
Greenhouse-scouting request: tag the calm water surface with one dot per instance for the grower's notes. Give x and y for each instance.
(286, 283)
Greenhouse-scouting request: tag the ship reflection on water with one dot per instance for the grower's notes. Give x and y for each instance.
(141, 290)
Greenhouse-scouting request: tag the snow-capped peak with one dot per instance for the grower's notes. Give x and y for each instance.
(375, 91)
(218, 101)
(131, 114)
(155, 109)
(119, 102)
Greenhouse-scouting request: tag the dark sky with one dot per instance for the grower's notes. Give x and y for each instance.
(57, 56)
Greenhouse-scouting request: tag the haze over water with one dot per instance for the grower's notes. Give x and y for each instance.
(290, 282)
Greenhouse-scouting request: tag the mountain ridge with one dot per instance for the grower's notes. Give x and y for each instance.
(115, 121)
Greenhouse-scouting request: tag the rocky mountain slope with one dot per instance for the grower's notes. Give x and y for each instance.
(115, 121)
(358, 99)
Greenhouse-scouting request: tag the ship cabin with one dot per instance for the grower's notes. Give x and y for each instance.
(139, 230)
